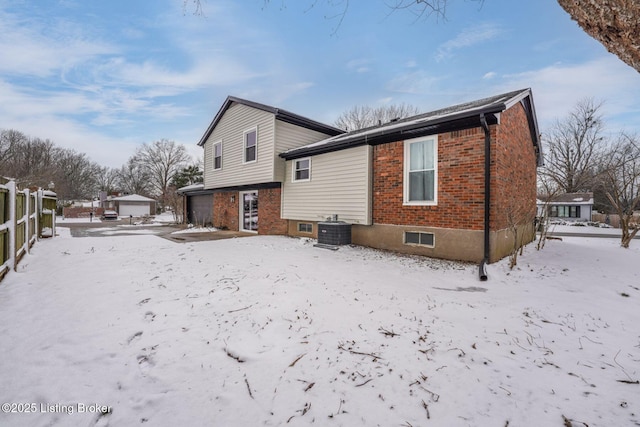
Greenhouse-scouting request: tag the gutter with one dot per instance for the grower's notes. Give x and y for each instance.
(482, 269)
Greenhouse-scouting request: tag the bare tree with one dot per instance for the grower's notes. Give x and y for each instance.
(574, 147)
(107, 179)
(360, 117)
(134, 179)
(161, 160)
(620, 178)
(11, 142)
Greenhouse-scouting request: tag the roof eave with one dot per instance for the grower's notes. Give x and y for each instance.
(279, 114)
(454, 122)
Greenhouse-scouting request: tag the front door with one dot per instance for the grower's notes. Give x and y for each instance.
(249, 211)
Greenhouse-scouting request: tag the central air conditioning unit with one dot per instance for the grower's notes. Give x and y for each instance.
(334, 233)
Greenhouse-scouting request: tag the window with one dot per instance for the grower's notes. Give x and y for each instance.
(564, 211)
(418, 238)
(250, 145)
(302, 169)
(305, 227)
(217, 155)
(420, 171)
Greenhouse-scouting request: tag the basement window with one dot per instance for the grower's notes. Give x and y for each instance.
(305, 227)
(419, 238)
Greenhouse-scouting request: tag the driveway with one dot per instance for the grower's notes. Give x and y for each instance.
(124, 227)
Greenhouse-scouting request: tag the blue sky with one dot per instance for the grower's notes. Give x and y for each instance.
(103, 77)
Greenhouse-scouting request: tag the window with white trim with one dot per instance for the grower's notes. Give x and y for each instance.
(420, 171)
(250, 145)
(302, 169)
(419, 238)
(217, 155)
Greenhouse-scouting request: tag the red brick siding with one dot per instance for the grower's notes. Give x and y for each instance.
(461, 178)
(460, 184)
(513, 177)
(225, 211)
(269, 221)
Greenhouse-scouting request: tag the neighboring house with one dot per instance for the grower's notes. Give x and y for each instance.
(242, 170)
(421, 185)
(567, 206)
(133, 205)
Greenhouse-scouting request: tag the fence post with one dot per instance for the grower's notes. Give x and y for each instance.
(27, 219)
(11, 186)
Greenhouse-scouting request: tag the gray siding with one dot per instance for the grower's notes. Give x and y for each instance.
(237, 119)
(340, 184)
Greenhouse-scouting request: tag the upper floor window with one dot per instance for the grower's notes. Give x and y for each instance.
(302, 169)
(251, 145)
(420, 171)
(217, 155)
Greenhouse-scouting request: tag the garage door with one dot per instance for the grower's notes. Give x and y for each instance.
(133, 209)
(200, 209)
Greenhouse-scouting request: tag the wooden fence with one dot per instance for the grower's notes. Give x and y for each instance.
(612, 219)
(25, 217)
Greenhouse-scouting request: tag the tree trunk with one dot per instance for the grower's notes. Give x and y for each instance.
(614, 23)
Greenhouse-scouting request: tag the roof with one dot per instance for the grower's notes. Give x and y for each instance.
(133, 198)
(192, 187)
(280, 114)
(457, 117)
(568, 199)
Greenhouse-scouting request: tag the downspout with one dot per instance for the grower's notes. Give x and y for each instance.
(487, 196)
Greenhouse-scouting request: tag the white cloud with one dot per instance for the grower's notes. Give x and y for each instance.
(359, 65)
(489, 75)
(468, 37)
(415, 82)
(558, 87)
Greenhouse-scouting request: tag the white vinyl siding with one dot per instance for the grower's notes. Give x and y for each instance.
(231, 129)
(290, 136)
(340, 185)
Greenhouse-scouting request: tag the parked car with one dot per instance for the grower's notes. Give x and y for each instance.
(109, 214)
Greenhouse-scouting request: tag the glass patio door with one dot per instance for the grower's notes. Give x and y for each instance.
(249, 211)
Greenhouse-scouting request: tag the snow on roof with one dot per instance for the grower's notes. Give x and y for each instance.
(569, 198)
(133, 198)
(192, 187)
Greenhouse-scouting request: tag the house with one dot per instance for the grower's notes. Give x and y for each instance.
(457, 183)
(243, 173)
(567, 206)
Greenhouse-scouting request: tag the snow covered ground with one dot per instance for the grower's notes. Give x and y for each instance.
(139, 330)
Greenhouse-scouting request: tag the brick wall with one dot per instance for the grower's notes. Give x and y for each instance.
(461, 179)
(269, 221)
(225, 211)
(72, 212)
(460, 184)
(513, 177)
